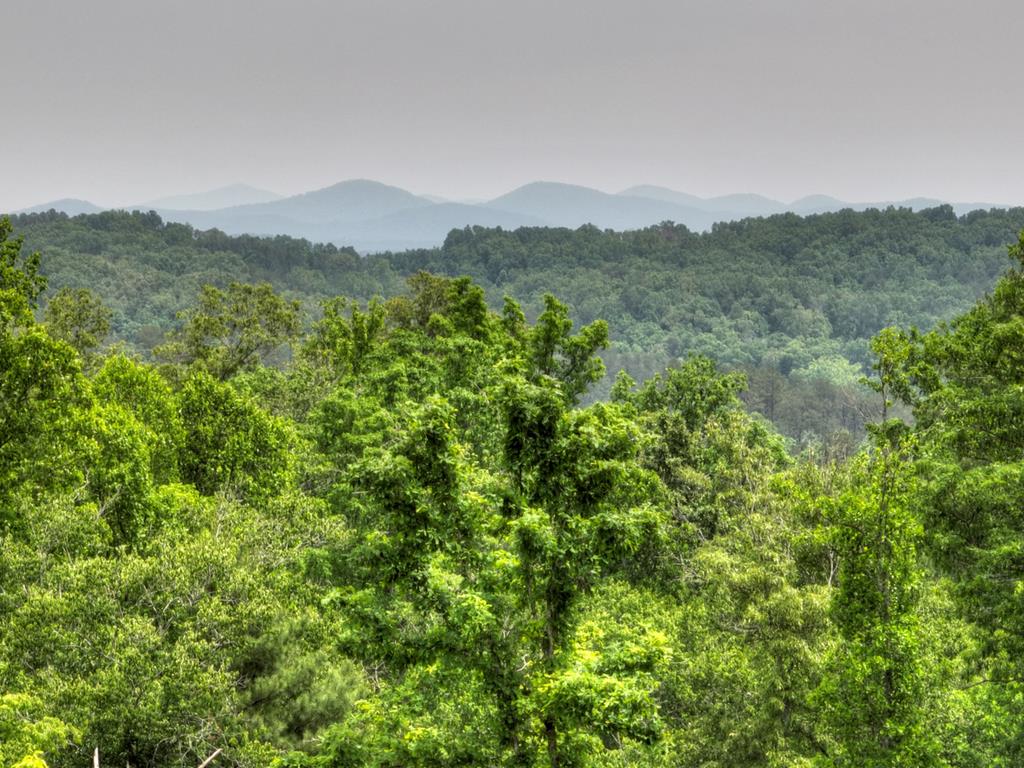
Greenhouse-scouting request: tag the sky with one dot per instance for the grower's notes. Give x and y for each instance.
(122, 101)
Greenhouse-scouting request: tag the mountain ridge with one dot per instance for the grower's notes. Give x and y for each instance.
(213, 199)
(373, 216)
(72, 206)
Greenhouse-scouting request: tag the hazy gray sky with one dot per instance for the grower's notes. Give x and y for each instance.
(120, 101)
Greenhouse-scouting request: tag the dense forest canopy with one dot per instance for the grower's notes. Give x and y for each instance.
(792, 301)
(405, 532)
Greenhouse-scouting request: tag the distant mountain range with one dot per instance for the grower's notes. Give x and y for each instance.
(223, 197)
(68, 205)
(375, 217)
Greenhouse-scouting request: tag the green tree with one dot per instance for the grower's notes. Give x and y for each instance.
(583, 511)
(142, 392)
(25, 735)
(341, 343)
(79, 318)
(570, 359)
(42, 397)
(892, 349)
(871, 697)
(480, 531)
(20, 281)
(233, 330)
(42, 390)
(751, 622)
(967, 382)
(230, 443)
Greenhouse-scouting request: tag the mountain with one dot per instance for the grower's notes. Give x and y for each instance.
(745, 204)
(378, 217)
(342, 213)
(732, 206)
(737, 206)
(961, 208)
(222, 197)
(568, 205)
(817, 204)
(824, 204)
(417, 227)
(366, 214)
(914, 203)
(371, 216)
(354, 200)
(348, 201)
(664, 194)
(69, 205)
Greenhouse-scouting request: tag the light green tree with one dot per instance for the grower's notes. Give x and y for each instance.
(232, 330)
(26, 736)
(78, 317)
(871, 698)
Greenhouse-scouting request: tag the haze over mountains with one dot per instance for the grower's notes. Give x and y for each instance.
(69, 205)
(223, 197)
(376, 217)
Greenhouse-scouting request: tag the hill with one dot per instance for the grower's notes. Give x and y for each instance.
(412, 227)
(222, 197)
(337, 214)
(568, 205)
(374, 217)
(348, 201)
(69, 205)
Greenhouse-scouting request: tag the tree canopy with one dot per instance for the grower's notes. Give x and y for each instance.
(792, 301)
(411, 531)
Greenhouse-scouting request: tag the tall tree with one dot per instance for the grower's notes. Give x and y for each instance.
(968, 398)
(20, 281)
(79, 318)
(233, 330)
(871, 697)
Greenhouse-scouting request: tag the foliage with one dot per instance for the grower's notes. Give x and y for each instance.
(229, 443)
(871, 693)
(425, 539)
(20, 281)
(230, 331)
(25, 737)
(782, 297)
(78, 317)
(965, 381)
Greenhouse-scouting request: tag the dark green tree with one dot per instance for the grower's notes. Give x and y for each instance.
(229, 442)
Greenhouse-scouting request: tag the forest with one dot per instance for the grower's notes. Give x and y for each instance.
(790, 301)
(320, 510)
